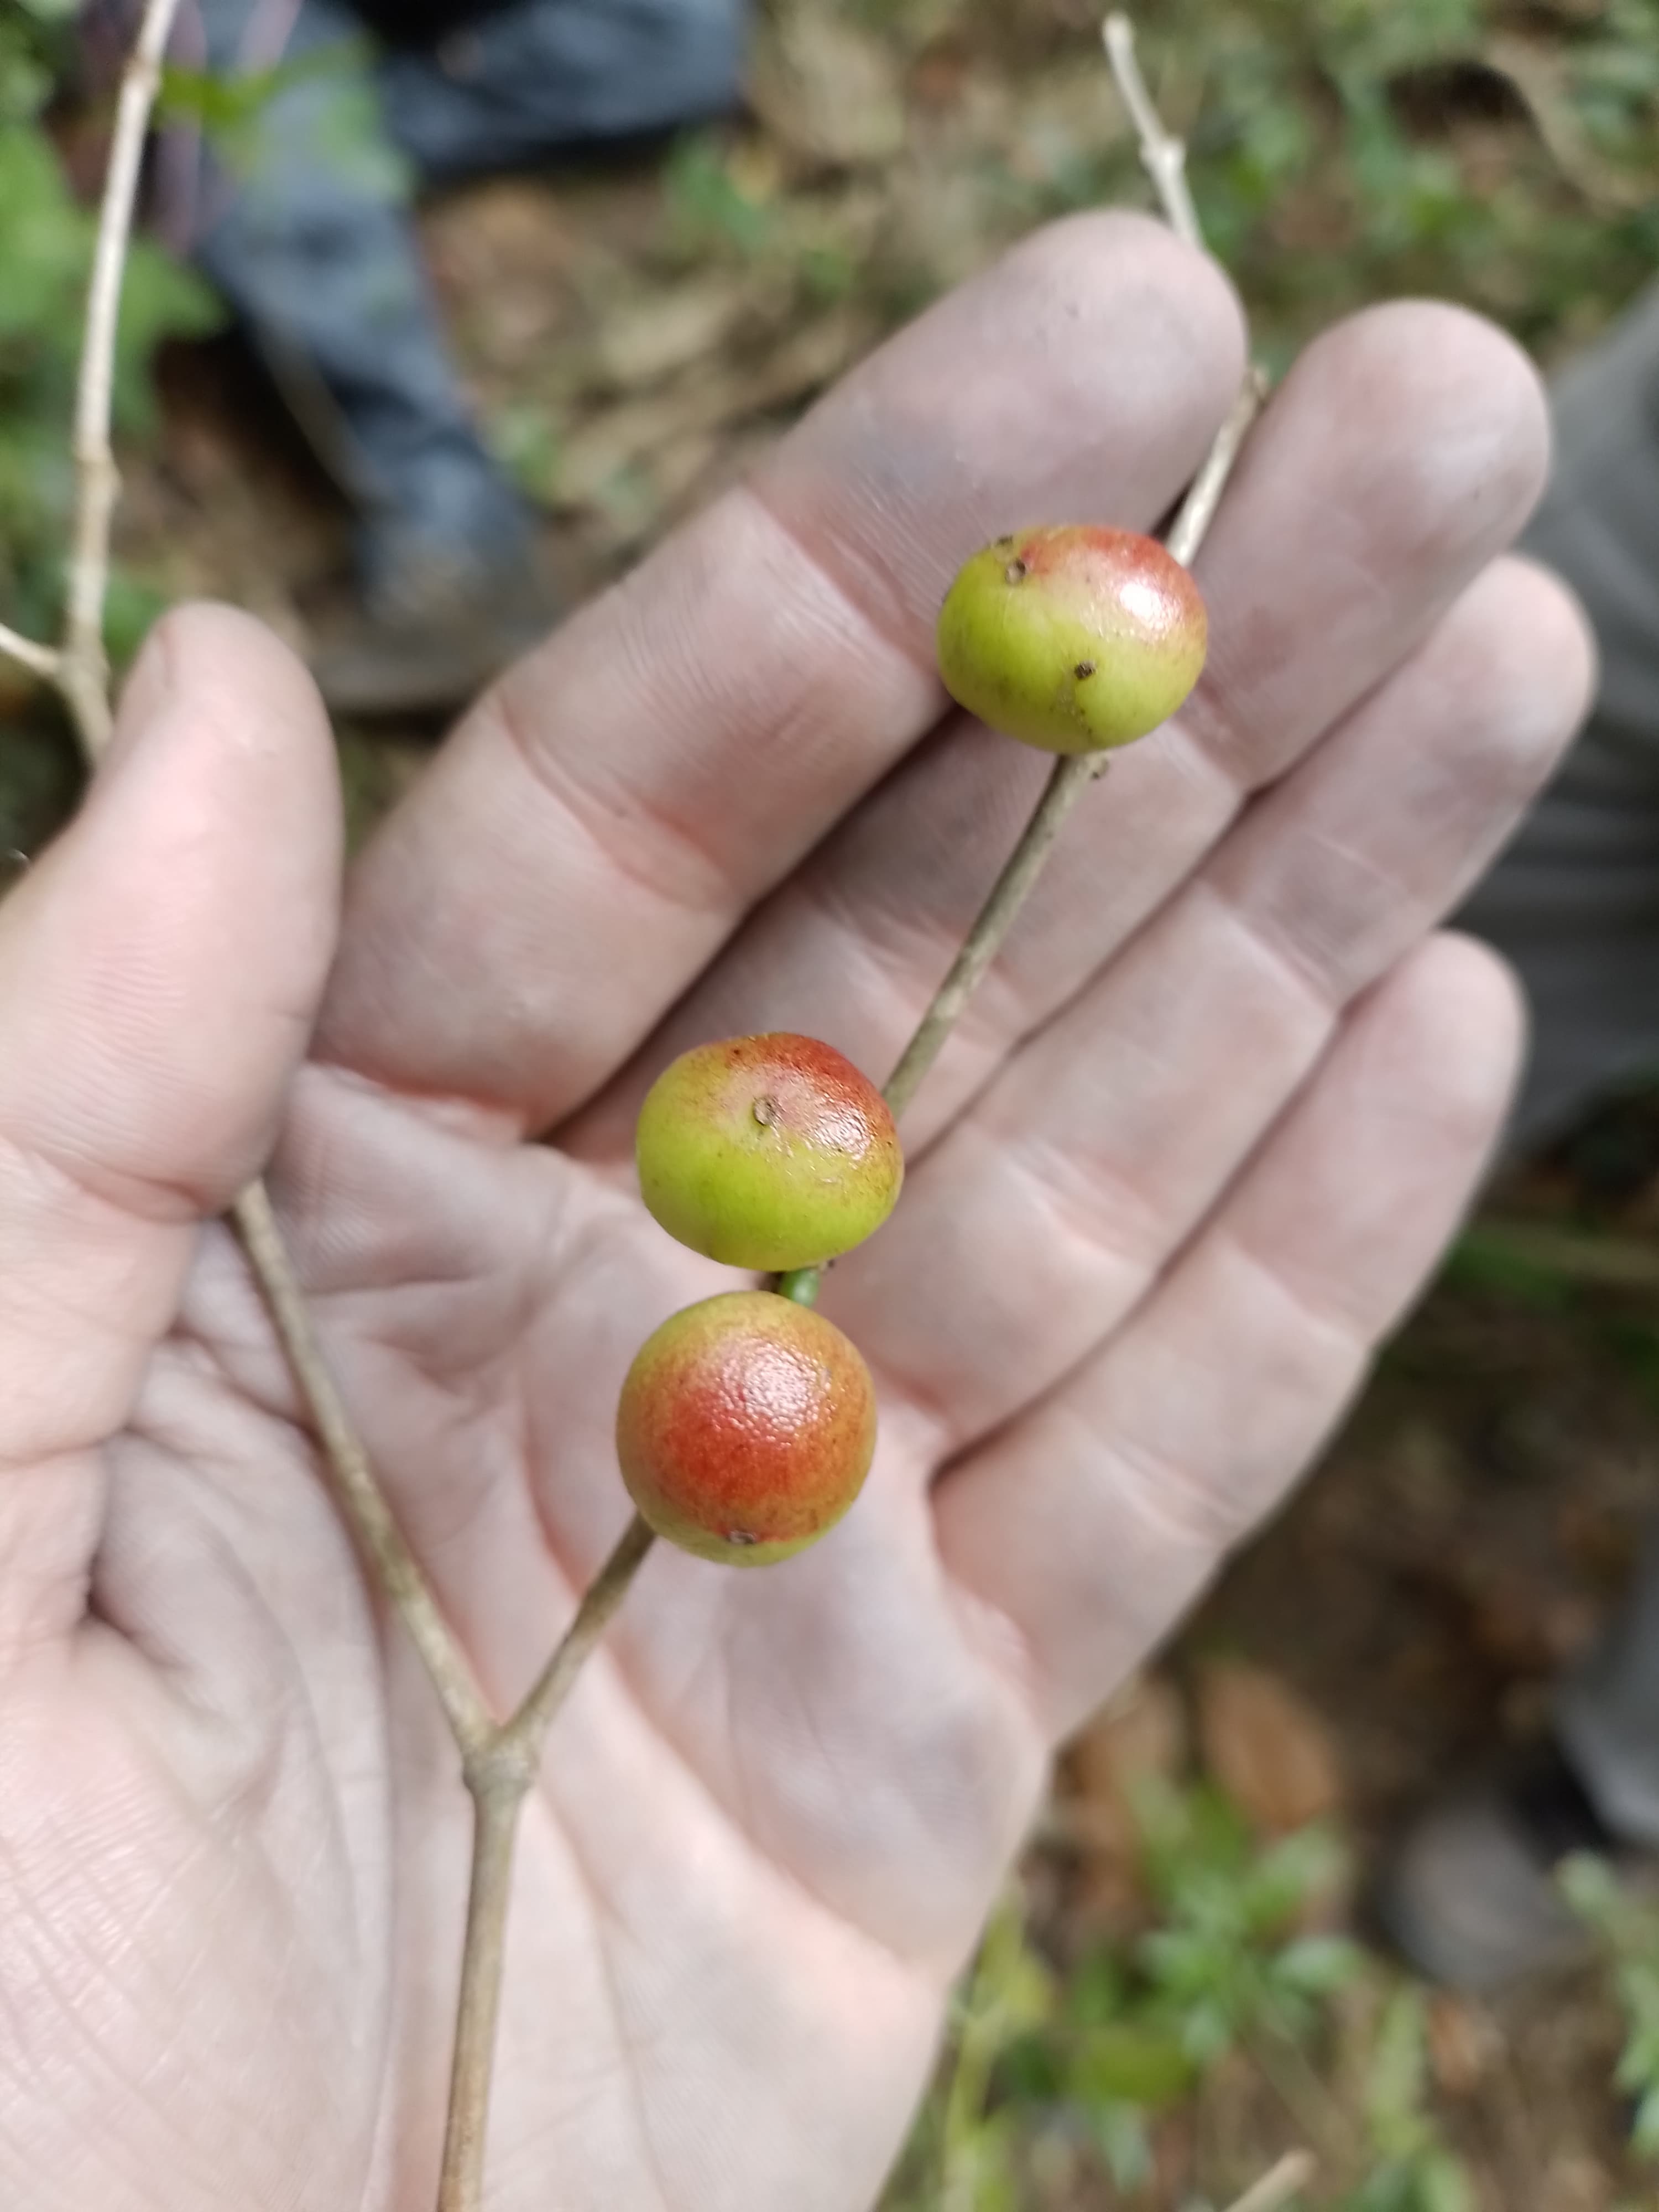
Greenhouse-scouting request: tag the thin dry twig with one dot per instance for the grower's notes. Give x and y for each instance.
(1197, 510)
(83, 673)
(1292, 2175)
(80, 671)
(1308, 2099)
(498, 1798)
(1163, 156)
(1070, 777)
(527, 1729)
(1165, 159)
(371, 1517)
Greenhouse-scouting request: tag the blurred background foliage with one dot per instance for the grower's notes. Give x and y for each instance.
(1179, 1990)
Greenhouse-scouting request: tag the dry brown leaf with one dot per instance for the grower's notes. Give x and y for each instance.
(827, 91)
(501, 230)
(621, 436)
(648, 338)
(1267, 1746)
(1463, 2043)
(1573, 2181)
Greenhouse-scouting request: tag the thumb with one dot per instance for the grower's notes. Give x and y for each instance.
(159, 968)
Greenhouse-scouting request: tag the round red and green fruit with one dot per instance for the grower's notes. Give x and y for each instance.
(746, 1427)
(1073, 638)
(769, 1152)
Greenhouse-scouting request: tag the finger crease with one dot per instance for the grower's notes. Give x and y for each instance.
(896, 634)
(688, 877)
(1278, 952)
(1353, 1334)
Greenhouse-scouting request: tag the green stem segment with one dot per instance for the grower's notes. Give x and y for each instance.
(498, 1794)
(1071, 776)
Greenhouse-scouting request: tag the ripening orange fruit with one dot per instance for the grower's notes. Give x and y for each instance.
(746, 1427)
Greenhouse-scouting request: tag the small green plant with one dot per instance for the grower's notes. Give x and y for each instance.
(714, 211)
(1091, 2058)
(342, 122)
(1627, 1930)
(1412, 2170)
(1227, 1961)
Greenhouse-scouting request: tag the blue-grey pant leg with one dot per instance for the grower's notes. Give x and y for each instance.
(310, 239)
(522, 82)
(308, 235)
(1574, 903)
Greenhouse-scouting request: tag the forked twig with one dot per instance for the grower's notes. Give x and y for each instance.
(41, 659)
(493, 1789)
(1162, 156)
(498, 1777)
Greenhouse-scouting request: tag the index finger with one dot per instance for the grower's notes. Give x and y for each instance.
(605, 816)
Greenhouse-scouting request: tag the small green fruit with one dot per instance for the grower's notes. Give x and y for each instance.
(767, 1152)
(746, 1427)
(1072, 638)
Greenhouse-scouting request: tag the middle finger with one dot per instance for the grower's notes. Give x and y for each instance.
(1030, 1231)
(1405, 448)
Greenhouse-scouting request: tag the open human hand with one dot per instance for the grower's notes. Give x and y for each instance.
(1197, 1141)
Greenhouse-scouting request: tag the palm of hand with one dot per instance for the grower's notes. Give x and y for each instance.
(1194, 1146)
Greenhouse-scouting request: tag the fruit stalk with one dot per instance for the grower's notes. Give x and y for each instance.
(1072, 775)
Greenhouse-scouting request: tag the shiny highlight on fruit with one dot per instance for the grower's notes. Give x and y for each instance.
(746, 1427)
(767, 1152)
(1072, 638)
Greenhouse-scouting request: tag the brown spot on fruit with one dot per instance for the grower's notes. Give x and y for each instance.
(771, 1151)
(1103, 641)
